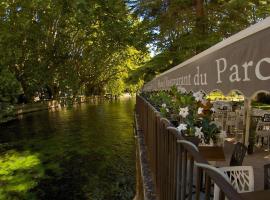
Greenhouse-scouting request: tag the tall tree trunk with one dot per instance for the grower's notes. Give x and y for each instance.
(199, 10)
(200, 29)
(28, 96)
(55, 91)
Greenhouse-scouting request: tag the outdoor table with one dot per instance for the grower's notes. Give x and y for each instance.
(256, 195)
(212, 153)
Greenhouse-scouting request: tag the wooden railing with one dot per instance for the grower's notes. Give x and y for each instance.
(178, 170)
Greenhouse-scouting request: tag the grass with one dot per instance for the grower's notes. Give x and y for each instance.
(259, 105)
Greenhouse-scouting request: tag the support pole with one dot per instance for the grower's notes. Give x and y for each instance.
(247, 107)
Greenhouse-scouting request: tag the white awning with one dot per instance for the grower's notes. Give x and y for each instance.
(241, 62)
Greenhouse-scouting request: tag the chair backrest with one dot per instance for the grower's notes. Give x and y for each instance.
(238, 154)
(263, 128)
(240, 177)
(266, 117)
(267, 176)
(222, 183)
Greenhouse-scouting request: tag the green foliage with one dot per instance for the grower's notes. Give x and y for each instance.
(131, 60)
(263, 98)
(63, 46)
(180, 29)
(15, 182)
(159, 98)
(9, 86)
(9, 90)
(197, 111)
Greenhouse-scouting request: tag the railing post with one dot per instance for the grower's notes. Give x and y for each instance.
(190, 180)
(198, 183)
(183, 181)
(178, 171)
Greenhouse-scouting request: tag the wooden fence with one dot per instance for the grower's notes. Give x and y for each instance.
(178, 170)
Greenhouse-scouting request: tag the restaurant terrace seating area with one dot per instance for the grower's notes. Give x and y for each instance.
(202, 171)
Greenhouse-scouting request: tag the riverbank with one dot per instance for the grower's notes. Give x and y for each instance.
(22, 109)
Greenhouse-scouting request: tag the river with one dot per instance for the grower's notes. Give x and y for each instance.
(86, 152)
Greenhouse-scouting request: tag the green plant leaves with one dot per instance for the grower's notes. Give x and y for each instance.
(170, 103)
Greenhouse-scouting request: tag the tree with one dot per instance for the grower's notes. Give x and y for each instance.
(9, 89)
(63, 46)
(181, 29)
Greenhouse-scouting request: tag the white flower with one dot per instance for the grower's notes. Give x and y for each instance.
(181, 89)
(164, 105)
(167, 110)
(182, 127)
(183, 112)
(198, 96)
(213, 109)
(199, 133)
(200, 110)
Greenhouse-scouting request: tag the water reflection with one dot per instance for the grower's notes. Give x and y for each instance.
(82, 153)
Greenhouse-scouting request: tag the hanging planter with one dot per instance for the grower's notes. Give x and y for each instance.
(194, 139)
(190, 113)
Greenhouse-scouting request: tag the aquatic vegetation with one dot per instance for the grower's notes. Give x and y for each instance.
(19, 172)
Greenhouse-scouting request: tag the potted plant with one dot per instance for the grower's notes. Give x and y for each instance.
(189, 112)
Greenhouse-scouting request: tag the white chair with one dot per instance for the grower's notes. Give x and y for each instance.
(241, 178)
(263, 130)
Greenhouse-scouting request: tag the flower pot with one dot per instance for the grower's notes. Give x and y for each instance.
(195, 140)
(175, 123)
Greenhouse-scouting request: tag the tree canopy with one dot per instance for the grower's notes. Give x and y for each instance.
(65, 47)
(181, 29)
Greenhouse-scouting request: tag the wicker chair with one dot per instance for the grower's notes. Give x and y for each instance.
(221, 182)
(240, 177)
(238, 154)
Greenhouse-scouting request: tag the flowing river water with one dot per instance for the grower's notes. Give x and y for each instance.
(86, 152)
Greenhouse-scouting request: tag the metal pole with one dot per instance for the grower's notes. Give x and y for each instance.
(248, 108)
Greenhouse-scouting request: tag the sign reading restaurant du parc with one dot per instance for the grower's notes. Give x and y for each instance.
(241, 62)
